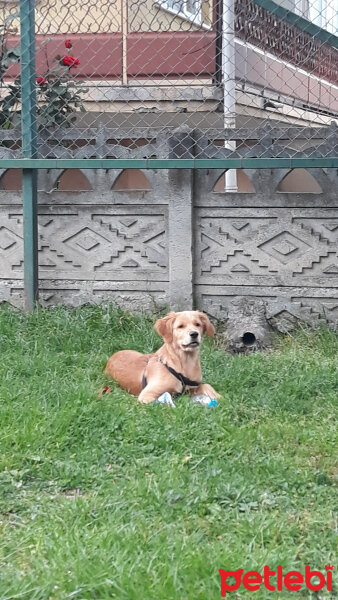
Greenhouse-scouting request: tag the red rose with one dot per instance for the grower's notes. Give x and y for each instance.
(70, 61)
(68, 44)
(41, 80)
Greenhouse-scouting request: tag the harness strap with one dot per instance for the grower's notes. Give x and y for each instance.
(185, 381)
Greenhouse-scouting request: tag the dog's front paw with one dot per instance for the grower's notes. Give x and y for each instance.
(204, 400)
(205, 390)
(165, 398)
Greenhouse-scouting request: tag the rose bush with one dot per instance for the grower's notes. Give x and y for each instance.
(59, 94)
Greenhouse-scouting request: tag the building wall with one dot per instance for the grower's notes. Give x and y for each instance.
(63, 17)
(100, 16)
(147, 15)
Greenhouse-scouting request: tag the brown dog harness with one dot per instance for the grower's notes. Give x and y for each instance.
(185, 381)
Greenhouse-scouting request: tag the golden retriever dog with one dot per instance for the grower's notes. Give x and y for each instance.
(174, 368)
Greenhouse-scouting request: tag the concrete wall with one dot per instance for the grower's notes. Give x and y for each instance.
(144, 240)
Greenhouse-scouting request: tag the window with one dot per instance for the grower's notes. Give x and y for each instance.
(316, 13)
(331, 17)
(191, 10)
(320, 12)
(324, 14)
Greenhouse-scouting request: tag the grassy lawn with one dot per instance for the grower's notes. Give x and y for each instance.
(103, 498)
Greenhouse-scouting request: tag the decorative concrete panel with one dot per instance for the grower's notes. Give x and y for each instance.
(284, 307)
(90, 254)
(267, 247)
(266, 253)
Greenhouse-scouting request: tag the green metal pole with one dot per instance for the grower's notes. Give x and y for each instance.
(328, 162)
(29, 150)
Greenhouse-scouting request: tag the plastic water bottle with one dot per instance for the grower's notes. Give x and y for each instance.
(165, 399)
(204, 400)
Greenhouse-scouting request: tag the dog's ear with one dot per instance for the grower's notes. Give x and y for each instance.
(164, 327)
(208, 327)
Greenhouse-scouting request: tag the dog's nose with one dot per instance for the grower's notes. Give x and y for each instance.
(193, 334)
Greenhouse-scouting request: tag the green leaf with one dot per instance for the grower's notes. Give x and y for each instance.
(60, 90)
(11, 55)
(16, 119)
(16, 51)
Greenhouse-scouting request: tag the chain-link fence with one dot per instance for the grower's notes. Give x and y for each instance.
(241, 72)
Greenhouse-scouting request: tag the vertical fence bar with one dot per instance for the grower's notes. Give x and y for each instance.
(29, 150)
(124, 31)
(229, 84)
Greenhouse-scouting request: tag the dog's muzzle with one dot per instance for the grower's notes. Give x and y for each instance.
(194, 340)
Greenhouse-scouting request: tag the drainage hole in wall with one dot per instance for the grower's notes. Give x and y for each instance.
(248, 338)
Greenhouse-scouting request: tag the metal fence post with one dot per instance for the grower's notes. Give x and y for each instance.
(229, 84)
(29, 150)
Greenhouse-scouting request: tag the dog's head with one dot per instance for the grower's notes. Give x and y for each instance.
(185, 329)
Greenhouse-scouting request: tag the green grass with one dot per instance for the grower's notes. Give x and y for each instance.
(104, 498)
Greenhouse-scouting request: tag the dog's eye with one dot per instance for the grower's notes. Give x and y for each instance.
(180, 326)
(197, 324)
